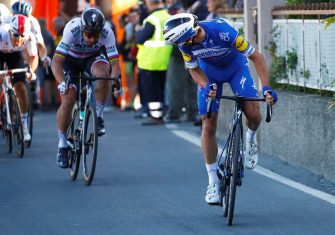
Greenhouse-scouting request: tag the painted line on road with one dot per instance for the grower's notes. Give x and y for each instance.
(265, 172)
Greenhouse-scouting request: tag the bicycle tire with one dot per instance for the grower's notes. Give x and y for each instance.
(228, 171)
(6, 133)
(90, 139)
(234, 177)
(30, 116)
(73, 153)
(16, 125)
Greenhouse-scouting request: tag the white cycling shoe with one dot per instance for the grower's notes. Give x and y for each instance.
(26, 135)
(251, 155)
(213, 194)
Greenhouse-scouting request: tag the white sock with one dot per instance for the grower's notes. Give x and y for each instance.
(251, 136)
(62, 140)
(100, 109)
(212, 173)
(24, 120)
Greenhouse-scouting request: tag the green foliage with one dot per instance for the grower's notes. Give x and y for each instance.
(329, 21)
(307, 74)
(292, 59)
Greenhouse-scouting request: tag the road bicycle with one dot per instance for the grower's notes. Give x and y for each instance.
(12, 129)
(83, 130)
(231, 160)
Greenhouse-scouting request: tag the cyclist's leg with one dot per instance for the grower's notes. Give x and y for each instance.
(244, 85)
(209, 143)
(15, 60)
(100, 67)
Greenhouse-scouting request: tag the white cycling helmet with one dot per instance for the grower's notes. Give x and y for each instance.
(180, 27)
(19, 24)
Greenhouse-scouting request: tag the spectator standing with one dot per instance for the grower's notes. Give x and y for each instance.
(196, 7)
(180, 87)
(153, 59)
(214, 6)
(130, 58)
(58, 24)
(45, 76)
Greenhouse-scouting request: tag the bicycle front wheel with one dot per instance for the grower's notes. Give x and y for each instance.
(234, 170)
(73, 142)
(6, 133)
(16, 125)
(89, 144)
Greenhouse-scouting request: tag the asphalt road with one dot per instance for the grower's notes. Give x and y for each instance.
(148, 181)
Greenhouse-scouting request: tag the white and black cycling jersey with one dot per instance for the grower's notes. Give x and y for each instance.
(74, 45)
(6, 45)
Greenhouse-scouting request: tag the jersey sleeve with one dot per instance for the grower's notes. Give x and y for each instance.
(110, 43)
(31, 45)
(229, 34)
(191, 61)
(36, 29)
(69, 33)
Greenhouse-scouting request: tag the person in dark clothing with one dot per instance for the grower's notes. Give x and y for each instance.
(45, 76)
(196, 7)
(153, 58)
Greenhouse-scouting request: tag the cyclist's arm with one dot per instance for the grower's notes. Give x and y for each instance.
(115, 68)
(260, 65)
(57, 67)
(199, 76)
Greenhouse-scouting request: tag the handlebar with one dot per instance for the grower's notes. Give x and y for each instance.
(90, 78)
(239, 99)
(10, 72)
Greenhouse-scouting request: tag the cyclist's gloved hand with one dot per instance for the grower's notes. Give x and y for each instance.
(62, 88)
(267, 89)
(210, 89)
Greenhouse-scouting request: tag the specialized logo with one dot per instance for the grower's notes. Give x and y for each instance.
(224, 36)
(241, 44)
(93, 17)
(243, 82)
(186, 57)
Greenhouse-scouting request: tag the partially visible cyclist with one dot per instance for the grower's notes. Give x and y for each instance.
(25, 8)
(4, 13)
(215, 53)
(14, 41)
(88, 44)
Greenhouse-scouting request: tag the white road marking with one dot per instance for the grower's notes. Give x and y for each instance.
(265, 172)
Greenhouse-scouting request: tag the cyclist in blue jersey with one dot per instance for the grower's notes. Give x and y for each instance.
(215, 53)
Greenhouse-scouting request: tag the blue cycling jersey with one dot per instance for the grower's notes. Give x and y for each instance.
(221, 47)
(222, 57)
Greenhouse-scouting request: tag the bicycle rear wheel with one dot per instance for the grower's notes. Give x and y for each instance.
(234, 170)
(16, 125)
(73, 142)
(30, 115)
(89, 144)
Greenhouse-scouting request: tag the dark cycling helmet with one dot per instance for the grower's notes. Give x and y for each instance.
(92, 20)
(180, 28)
(23, 8)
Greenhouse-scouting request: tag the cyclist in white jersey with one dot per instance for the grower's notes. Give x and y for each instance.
(25, 8)
(14, 41)
(4, 13)
(88, 44)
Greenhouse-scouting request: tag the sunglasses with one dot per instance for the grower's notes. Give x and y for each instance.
(90, 35)
(17, 35)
